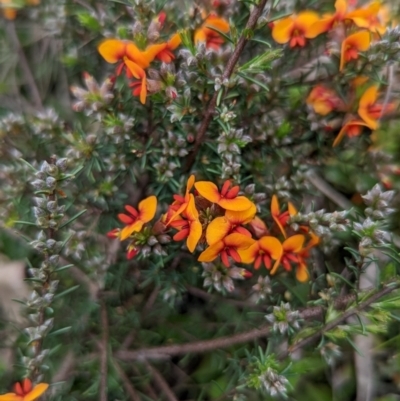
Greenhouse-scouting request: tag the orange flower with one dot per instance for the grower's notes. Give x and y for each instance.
(130, 58)
(9, 12)
(190, 228)
(263, 251)
(25, 392)
(227, 198)
(281, 218)
(208, 35)
(328, 21)
(181, 202)
(323, 100)
(302, 273)
(232, 222)
(368, 18)
(369, 110)
(351, 128)
(137, 218)
(352, 45)
(166, 55)
(293, 254)
(295, 29)
(230, 246)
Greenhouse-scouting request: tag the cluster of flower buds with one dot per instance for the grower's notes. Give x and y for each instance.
(95, 97)
(283, 319)
(224, 224)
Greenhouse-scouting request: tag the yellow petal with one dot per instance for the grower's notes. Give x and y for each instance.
(36, 392)
(190, 182)
(249, 255)
(275, 209)
(360, 40)
(147, 208)
(341, 6)
(305, 21)
(272, 246)
(134, 54)
(240, 203)
(128, 230)
(294, 243)
(238, 241)
(143, 90)
(151, 52)
(191, 211)
(195, 233)
(241, 217)
(217, 230)
(368, 99)
(211, 252)
(292, 210)
(112, 50)
(174, 41)
(218, 23)
(302, 273)
(321, 26)
(200, 36)
(134, 68)
(282, 30)
(10, 397)
(208, 190)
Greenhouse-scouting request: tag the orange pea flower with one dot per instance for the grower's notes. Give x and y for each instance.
(302, 273)
(352, 128)
(8, 12)
(137, 218)
(232, 222)
(191, 227)
(281, 218)
(369, 110)
(292, 254)
(227, 198)
(180, 202)
(24, 391)
(208, 35)
(352, 45)
(295, 29)
(166, 55)
(264, 251)
(230, 246)
(328, 21)
(130, 58)
(324, 100)
(368, 18)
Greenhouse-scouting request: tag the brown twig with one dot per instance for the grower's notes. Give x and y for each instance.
(23, 62)
(103, 352)
(134, 396)
(251, 23)
(161, 382)
(316, 312)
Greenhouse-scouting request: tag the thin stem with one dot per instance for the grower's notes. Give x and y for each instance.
(103, 352)
(316, 312)
(23, 62)
(133, 395)
(161, 382)
(251, 23)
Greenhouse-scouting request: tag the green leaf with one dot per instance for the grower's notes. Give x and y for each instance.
(60, 331)
(63, 268)
(73, 218)
(61, 294)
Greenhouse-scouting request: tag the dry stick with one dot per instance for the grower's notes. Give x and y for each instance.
(251, 23)
(316, 312)
(33, 89)
(104, 351)
(134, 396)
(161, 382)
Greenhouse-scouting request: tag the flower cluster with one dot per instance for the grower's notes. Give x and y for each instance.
(353, 31)
(24, 391)
(225, 224)
(134, 61)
